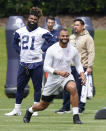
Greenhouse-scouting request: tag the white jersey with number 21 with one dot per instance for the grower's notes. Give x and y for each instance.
(31, 43)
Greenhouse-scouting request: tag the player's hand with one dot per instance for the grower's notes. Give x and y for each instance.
(62, 73)
(89, 70)
(83, 78)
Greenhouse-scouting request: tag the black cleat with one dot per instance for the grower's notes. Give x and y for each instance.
(76, 119)
(27, 116)
(81, 111)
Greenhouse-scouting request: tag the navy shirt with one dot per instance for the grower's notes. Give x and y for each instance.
(47, 44)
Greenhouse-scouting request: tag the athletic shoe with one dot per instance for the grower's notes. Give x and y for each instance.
(35, 114)
(13, 113)
(76, 119)
(27, 117)
(61, 111)
(81, 111)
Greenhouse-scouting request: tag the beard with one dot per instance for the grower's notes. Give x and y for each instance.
(32, 26)
(64, 43)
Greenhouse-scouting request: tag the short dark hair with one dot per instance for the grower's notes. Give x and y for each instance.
(63, 29)
(36, 12)
(50, 17)
(80, 20)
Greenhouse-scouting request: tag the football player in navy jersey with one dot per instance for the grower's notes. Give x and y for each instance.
(28, 41)
(50, 22)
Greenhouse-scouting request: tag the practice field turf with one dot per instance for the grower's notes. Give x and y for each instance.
(48, 120)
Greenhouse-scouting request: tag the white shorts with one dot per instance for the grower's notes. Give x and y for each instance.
(54, 87)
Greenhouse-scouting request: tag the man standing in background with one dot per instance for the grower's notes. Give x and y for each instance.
(50, 22)
(82, 40)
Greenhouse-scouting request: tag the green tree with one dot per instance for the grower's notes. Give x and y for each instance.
(14, 7)
(53, 7)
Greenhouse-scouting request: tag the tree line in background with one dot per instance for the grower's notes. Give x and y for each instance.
(53, 7)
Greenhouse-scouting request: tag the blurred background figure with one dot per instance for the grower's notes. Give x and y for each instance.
(50, 23)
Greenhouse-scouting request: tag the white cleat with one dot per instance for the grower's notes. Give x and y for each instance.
(35, 114)
(13, 113)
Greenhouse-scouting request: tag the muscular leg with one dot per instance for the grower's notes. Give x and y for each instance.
(71, 88)
(66, 96)
(43, 104)
(39, 106)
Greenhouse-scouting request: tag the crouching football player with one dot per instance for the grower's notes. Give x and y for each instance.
(57, 64)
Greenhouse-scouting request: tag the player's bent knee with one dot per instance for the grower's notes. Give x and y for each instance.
(73, 90)
(71, 87)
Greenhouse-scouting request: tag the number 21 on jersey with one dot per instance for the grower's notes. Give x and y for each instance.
(28, 41)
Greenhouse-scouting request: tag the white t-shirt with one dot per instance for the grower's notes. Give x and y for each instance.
(58, 58)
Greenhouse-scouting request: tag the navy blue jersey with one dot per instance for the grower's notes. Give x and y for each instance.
(47, 44)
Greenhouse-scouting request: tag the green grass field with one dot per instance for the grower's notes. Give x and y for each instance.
(48, 120)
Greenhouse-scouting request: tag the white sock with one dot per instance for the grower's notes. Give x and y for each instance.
(30, 110)
(75, 110)
(17, 107)
(35, 102)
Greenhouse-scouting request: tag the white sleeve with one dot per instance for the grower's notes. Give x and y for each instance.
(77, 63)
(48, 62)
